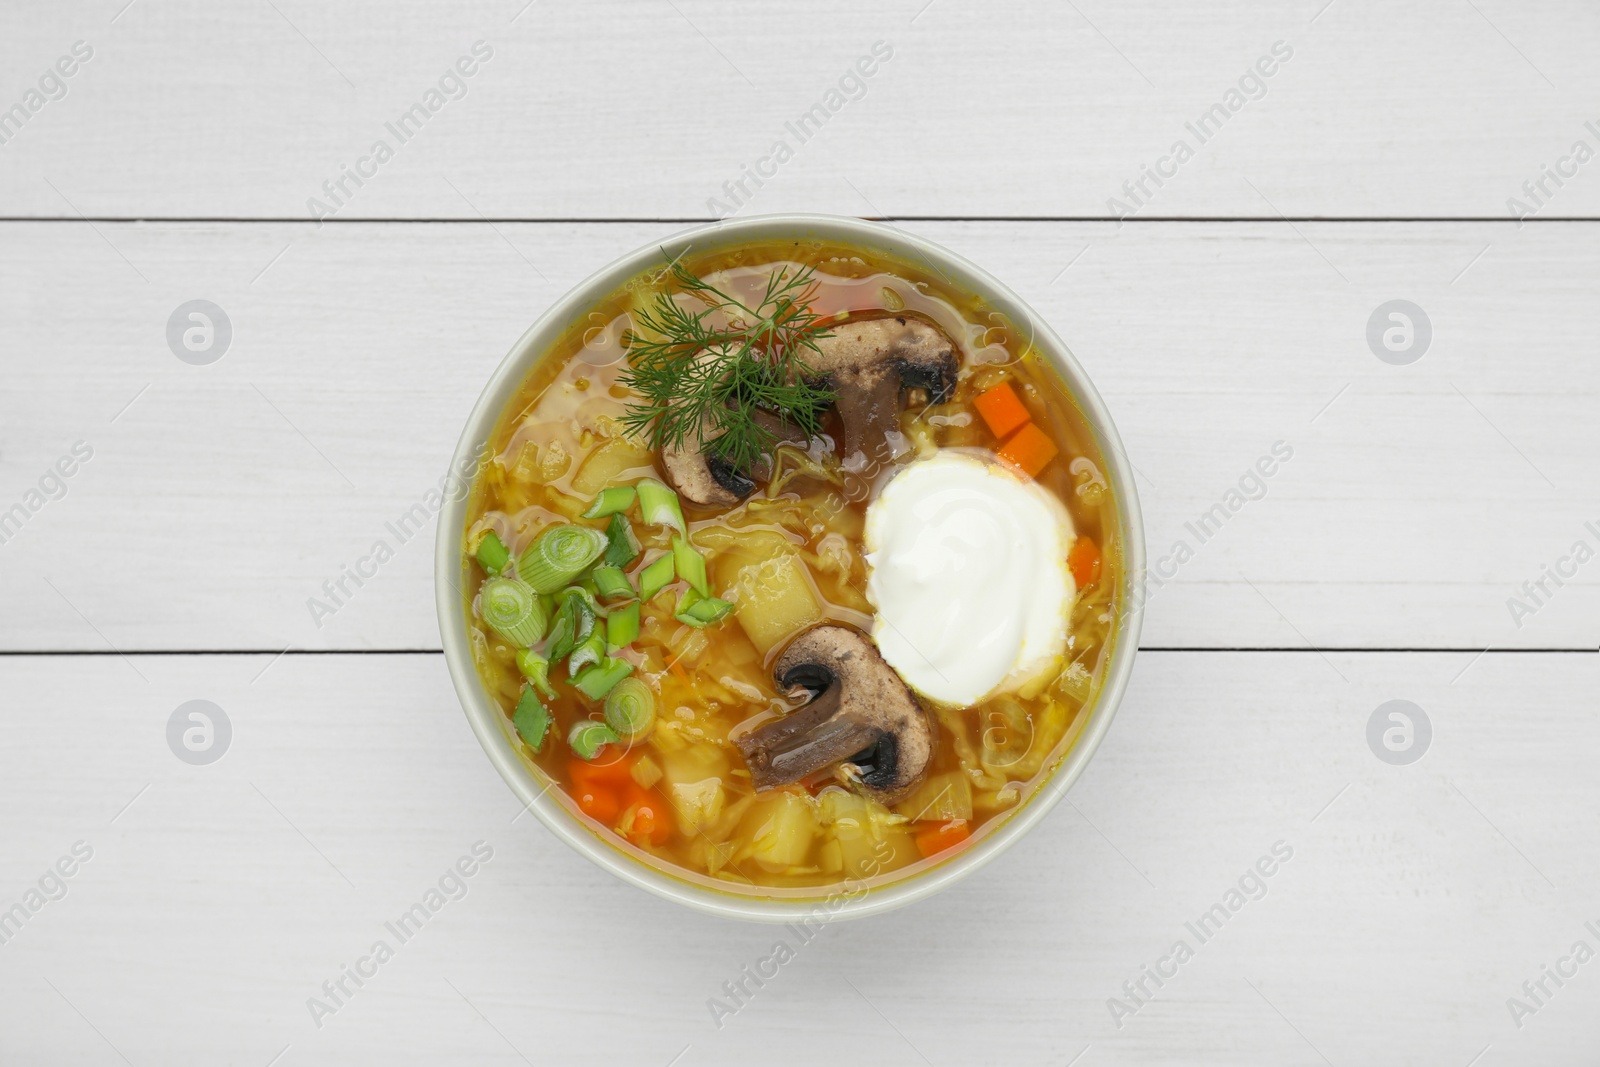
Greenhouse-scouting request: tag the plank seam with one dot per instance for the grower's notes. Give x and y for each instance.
(1266, 649)
(687, 221)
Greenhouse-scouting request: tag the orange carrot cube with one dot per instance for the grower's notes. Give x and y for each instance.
(1002, 409)
(1029, 448)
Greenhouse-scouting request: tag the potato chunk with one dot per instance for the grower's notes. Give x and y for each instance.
(781, 829)
(606, 465)
(698, 804)
(864, 838)
(940, 798)
(774, 600)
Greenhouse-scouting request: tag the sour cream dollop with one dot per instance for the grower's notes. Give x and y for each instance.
(968, 573)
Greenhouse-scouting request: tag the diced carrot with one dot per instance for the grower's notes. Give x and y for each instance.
(611, 768)
(1002, 409)
(1029, 448)
(652, 821)
(934, 837)
(597, 802)
(1083, 559)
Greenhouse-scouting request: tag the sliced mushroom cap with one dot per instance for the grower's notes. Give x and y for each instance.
(704, 478)
(861, 716)
(869, 363)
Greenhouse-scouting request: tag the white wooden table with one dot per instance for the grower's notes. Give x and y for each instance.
(1228, 313)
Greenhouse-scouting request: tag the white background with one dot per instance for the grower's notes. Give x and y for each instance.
(1231, 313)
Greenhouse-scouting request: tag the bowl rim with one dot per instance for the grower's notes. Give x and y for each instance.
(487, 719)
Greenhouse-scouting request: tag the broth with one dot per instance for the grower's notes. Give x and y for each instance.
(559, 442)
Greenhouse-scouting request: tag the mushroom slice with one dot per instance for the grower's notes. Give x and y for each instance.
(869, 363)
(703, 478)
(861, 716)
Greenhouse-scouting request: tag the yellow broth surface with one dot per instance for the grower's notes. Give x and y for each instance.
(790, 556)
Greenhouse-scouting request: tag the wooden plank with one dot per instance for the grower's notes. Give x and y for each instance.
(646, 109)
(1416, 901)
(219, 498)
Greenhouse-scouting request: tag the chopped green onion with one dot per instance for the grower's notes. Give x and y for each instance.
(590, 650)
(492, 553)
(658, 506)
(531, 719)
(691, 566)
(611, 582)
(702, 611)
(536, 669)
(573, 625)
(512, 610)
(655, 577)
(622, 628)
(586, 593)
(587, 738)
(559, 555)
(598, 679)
(612, 501)
(631, 709)
(622, 546)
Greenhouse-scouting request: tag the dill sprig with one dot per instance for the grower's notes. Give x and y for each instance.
(705, 376)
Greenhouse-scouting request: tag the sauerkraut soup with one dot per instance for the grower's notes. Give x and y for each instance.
(792, 568)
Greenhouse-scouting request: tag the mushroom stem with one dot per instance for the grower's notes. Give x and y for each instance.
(861, 401)
(861, 717)
(803, 743)
(869, 363)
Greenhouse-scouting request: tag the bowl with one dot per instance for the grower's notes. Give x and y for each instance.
(491, 725)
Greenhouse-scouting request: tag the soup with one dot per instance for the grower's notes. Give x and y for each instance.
(792, 568)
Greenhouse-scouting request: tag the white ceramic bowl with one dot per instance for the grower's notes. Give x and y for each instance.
(493, 729)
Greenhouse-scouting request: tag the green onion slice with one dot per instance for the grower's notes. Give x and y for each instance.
(622, 546)
(600, 678)
(559, 555)
(492, 553)
(703, 611)
(631, 709)
(612, 501)
(531, 719)
(590, 650)
(585, 593)
(574, 623)
(659, 506)
(587, 737)
(691, 566)
(611, 582)
(512, 610)
(622, 628)
(536, 669)
(656, 577)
